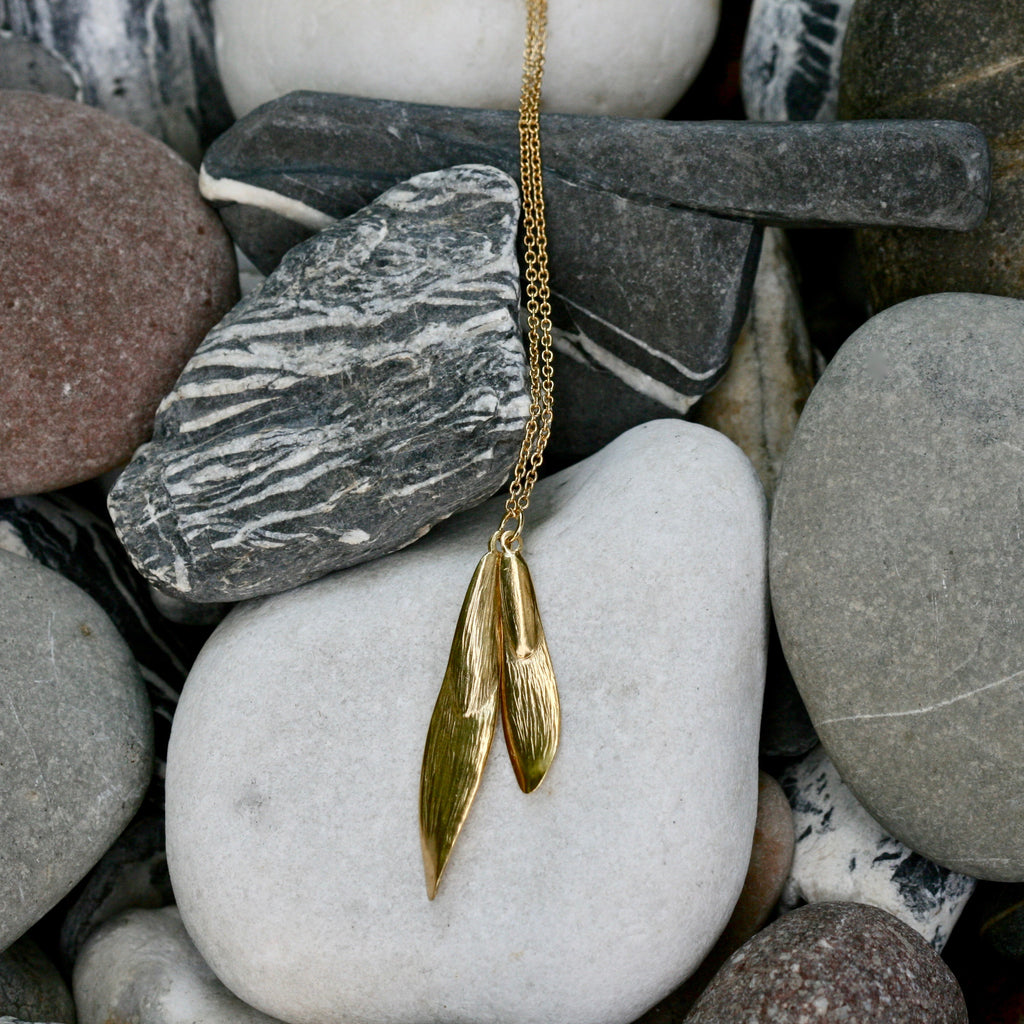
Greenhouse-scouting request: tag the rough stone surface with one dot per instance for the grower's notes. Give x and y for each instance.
(55, 531)
(898, 574)
(30, 66)
(585, 902)
(770, 859)
(149, 63)
(835, 962)
(77, 735)
(939, 58)
(143, 966)
(31, 987)
(791, 56)
(611, 57)
(772, 369)
(628, 205)
(374, 385)
(132, 874)
(844, 855)
(113, 271)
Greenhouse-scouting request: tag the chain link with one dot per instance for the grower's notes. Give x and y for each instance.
(538, 291)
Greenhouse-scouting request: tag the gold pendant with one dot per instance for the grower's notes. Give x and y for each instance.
(498, 650)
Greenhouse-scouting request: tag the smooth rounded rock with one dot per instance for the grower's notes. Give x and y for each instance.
(898, 575)
(113, 269)
(142, 966)
(603, 57)
(770, 858)
(943, 59)
(76, 733)
(834, 962)
(296, 751)
(31, 987)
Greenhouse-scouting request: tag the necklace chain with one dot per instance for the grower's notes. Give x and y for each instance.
(538, 291)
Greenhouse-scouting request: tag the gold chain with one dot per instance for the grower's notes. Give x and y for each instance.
(538, 291)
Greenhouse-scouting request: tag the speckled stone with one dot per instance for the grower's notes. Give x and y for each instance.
(113, 270)
(897, 575)
(943, 59)
(834, 962)
(74, 769)
(31, 987)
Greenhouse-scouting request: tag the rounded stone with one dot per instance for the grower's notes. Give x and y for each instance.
(603, 57)
(295, 758)
(26, 64)
(142, 966)
(943, 59)
(898, 574)
(834, 962)
(114, 269)
(76, 733)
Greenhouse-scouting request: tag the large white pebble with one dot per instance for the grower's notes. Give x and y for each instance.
(293, 772)
(626, 57)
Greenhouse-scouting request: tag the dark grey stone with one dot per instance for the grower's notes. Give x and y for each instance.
(55, 531)
(791, 56)
(372, 386)
(76, 733)
(28, 65)
(150, 62)
(842, 853)
(31, 987)
(834, 962)
(897, 574)
(941, 58)
(132, 874)
(655, 227)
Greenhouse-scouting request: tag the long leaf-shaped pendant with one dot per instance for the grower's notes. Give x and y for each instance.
(529, 695)
(462, 726)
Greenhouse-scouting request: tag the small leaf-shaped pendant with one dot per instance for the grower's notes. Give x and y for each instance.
(462, 725)
(529, 695)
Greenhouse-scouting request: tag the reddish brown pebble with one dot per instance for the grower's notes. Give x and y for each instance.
(112, 270)
(833, 962)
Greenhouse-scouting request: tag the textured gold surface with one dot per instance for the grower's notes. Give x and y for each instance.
(488, 657)
(529, 694)
(462, 725)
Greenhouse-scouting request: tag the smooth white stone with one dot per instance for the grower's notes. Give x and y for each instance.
(294, 765)
(142, 966)
(603, 56)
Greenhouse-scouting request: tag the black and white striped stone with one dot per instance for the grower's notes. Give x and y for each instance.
(59, 534)
(150, 62)
(843, 855)
(372, 386)
(791, 56)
